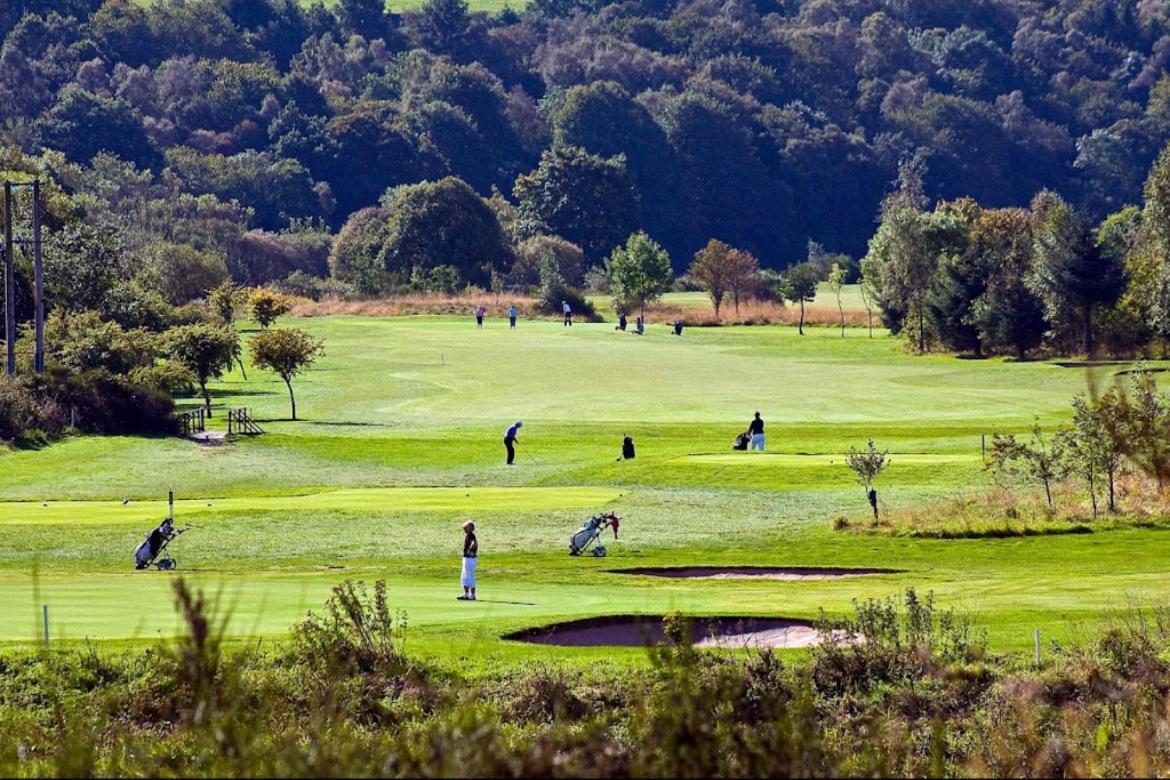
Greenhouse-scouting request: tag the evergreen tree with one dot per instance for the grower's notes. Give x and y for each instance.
(1070, 273)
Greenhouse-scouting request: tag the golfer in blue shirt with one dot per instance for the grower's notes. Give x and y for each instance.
(510, 440)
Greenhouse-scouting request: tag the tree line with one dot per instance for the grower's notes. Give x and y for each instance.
(762, 123)
(1014, 280)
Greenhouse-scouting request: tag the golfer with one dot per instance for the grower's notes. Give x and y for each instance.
(479, 312)
(470, 558)
(512, 316)
(568, 311)
(510, 440)
(756, 429)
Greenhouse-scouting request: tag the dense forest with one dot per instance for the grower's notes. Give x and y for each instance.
(763, 124)
(989, 170)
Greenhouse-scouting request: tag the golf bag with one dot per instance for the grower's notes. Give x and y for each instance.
(152, 550)
(742, 441)
(589, 535)
(627, 448)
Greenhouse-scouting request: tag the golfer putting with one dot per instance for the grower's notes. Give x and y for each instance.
(510, 441)
(470, 558)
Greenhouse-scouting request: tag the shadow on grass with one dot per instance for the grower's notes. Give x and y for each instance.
(996, 533)
(348, 424)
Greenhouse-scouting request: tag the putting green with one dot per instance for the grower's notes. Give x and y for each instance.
(469, 500)
(818, 460)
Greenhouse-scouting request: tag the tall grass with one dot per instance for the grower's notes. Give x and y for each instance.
(898, 688)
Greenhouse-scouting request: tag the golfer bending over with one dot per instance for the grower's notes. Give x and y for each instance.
(510, 440)
(470, 558)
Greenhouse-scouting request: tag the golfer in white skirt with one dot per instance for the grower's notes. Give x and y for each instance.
(470, 558)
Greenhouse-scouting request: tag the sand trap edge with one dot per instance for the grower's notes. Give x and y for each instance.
(645, 630)
(788, 573)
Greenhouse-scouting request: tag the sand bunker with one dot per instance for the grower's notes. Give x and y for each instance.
(753, 572)
(643, 630)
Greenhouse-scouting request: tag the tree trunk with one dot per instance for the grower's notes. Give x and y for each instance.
(921, 330)
(841, 311)
(1048, 493)
(243, 370)
(869, 315)
(735, 297)
(291, 398)
(1088, 324)
(1112, 501)
(1093, 492)
(718, 300)
(206, 397)
(801, 328)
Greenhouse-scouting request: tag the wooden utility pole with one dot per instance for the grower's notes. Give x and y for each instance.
(38, 281)
(9, 283)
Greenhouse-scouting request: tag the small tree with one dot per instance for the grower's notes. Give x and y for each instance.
(799, 285)
(639, 272)
(287, 352)
(1038, 460)
(225, 300)
(1089, 449)
(867, 465)
(836, 285)
(1110, 413)
(206, 349)
(266, 305)
(1141, 425)
(742, 271)
(711, 268)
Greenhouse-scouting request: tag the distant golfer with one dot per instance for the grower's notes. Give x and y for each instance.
(756, 429)
(470, 558)
(479, 312)
(512, 316)
(510, 440)
(621, 322)
(568, 311)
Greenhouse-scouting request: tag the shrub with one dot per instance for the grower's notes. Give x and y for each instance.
(302, 285)
(24, 410)
(167, 378)
(554, 290)
(97, 401)
(356, 633)
(266, 305)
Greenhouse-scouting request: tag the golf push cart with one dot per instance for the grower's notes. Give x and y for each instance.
(152, 551)
(588, 537)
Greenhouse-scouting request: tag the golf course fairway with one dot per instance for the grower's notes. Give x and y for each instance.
(401, 442)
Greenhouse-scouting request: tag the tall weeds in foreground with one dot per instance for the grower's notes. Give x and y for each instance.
(900, 687)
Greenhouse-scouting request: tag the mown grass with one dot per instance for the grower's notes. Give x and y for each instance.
(401, 442)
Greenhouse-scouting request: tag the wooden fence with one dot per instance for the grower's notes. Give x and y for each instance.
(191, 422)
(240, 422)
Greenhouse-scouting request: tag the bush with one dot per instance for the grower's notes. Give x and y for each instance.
(554, 290)
(44, 405)
(167, 378)
(114, 405)
(24, 410)
(355, 633)
(266, 305)
(302, 285)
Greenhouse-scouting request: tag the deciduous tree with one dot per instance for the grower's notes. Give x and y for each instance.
(207, 350)
(799, 285)
(639, 272)
(287, 352)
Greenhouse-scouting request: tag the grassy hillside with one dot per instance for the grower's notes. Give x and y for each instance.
(401, 442)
